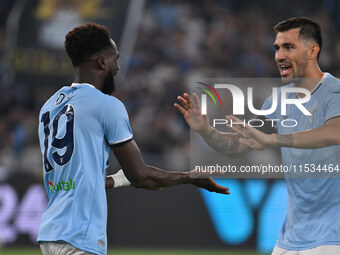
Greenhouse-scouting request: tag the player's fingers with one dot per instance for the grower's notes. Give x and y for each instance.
(239, 125)
(218, 188)
(246, 132)
(222, 190)
(250, 129)
(183, 102)
(230, 119)
(187, 98)
(237, 129)
(246, 142)
(191, 103)
(180, 109)
(247, 129)
(236, 120)
(196, 100)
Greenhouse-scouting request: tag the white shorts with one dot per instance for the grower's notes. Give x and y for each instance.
(52, 248)
(320, 250)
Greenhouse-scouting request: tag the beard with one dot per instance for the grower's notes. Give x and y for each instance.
(300, 74)
(109, 84)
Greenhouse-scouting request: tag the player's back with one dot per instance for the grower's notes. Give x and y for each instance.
(75, 154)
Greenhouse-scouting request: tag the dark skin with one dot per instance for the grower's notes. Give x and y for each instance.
(99, 70)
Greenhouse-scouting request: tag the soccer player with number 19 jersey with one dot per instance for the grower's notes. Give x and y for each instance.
(79, 126)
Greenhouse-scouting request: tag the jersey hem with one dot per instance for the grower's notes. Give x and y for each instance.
(122, 141)
(333, 117)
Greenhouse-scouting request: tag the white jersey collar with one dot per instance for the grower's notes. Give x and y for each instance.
(323, 78)
(74, 84)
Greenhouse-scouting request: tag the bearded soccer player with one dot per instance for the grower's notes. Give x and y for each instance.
(312, 222)
(79, 126)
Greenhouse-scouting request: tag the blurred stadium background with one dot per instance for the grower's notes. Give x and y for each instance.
(163, 45)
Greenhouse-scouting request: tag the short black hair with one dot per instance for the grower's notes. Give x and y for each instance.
(309, 29)
(84, 41)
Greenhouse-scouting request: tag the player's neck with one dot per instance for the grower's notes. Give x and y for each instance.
(87, 76)
(312, 78)
(314, 72)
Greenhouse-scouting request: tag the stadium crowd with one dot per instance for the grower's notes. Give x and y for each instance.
(177, 42)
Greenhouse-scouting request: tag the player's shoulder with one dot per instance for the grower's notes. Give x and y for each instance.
(113, 104)
(99, 97)
(331, 83)
(51, 101)
(115, 100)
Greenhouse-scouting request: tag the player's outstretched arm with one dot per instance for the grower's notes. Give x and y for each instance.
(324, 136)
(222, 142)
(119, 180)
(148, 177)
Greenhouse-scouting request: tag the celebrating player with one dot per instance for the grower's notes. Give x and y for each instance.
(79, 126)
(311, 225)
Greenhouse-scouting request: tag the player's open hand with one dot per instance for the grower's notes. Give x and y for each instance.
(251, 137)
(210, 185)
(191, 111)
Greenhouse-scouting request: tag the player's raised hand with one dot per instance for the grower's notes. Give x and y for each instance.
(251, 137)
(191, 111)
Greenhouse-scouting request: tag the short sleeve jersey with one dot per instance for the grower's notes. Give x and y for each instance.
(77, 125)
(313, 210)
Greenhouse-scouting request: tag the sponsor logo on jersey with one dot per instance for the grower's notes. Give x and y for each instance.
(61, 186)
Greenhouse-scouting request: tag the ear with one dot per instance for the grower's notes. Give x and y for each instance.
(314, 49)
(101, 63)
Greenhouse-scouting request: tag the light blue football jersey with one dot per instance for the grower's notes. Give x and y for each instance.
(77, 125)
(313, 210)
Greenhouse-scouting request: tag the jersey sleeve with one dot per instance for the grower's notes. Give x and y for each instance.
(116, 122)
(332, 104)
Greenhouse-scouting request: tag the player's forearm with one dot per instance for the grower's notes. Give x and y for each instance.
(152, 178)
(109, 182)
(117, 180)
(225, 143)
(311, 139)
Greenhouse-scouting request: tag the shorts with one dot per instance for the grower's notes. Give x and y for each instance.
(54, 248)
(320, 250)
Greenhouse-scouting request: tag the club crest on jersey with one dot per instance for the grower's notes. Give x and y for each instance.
(61, 186)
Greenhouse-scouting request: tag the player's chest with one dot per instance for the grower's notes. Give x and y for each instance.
(297, 120)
